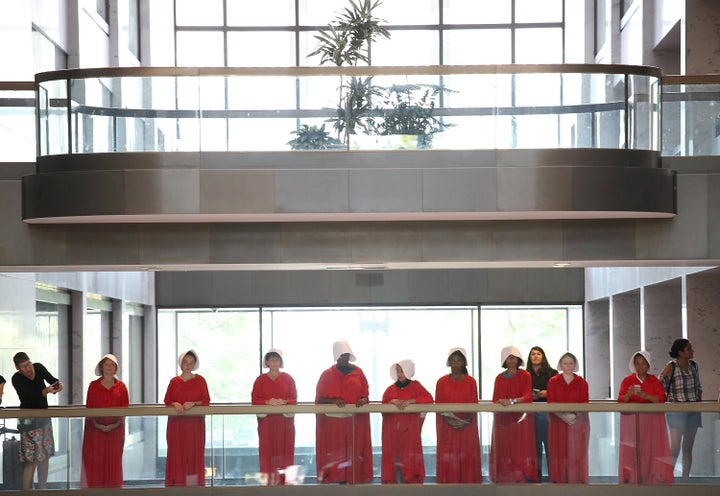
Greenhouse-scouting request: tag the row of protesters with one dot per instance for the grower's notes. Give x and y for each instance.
(344, 453)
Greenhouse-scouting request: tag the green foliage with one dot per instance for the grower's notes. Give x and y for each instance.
(357, 112)
(313, 138)
(347, 38)
(346, 41)
(410, 110)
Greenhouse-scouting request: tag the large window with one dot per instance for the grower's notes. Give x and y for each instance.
(423, 32)
(232, 342)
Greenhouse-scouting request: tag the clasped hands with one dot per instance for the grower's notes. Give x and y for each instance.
(401, 404)
(183, 407)
(341, 402)
(568, 417)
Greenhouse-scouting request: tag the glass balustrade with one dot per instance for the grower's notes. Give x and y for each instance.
(231, 443)
(163, 110)
(691, 116)
(442, 108)
(17, 122)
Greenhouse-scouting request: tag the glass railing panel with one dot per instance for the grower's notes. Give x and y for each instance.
(643, 112)
(691, 119)
(255, 111)
(615, 447)
(53, 132)
(17, 125)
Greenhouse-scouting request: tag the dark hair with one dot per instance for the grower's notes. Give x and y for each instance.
(678, 345)
(544, 364)
(2, 380)
(459, 353)
(20, 357)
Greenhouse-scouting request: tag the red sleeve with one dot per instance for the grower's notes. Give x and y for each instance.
(325, 386)
(204, 393)
(440, 396)
(258, 396)
(526, 384)
(551, 389)
(389, 394)
(291, 389)
(655, 388)
(365, 390)
(624, 386)
(422, 395)
(497, 394)
(124, 396)
(91, 399)
(170, 392)
(584, 392)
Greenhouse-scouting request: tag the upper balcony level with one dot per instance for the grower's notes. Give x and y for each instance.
(378, 143)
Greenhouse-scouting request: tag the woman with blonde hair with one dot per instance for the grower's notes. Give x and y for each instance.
(276, 432)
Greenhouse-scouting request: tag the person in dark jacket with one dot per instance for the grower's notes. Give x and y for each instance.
(33, 384)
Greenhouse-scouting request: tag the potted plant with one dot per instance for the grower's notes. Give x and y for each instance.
(409, 110)
(346, 41)
(313, 138)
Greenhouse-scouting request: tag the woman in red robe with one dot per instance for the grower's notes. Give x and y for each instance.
(185, 464)
(644, 446)
(276, 433)
(512, 452)
(568, 432)
(104, 437)
(458, 441)
(343, 454)
(402, 453)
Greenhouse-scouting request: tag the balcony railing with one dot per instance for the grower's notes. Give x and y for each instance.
(232, 457)
(437, 107)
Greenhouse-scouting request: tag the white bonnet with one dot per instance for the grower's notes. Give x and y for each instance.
(507, 351)
(407, 366)
(453, 350)
(112, 358)
(568, 354)
(276, 351)
(644, 354)
(197, 359)
(340, 348)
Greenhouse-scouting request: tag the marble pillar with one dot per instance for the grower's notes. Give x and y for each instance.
(74, 387)
(597, 347)
(703, 327)
(625, 334)
(701, 37)
(662, 313)
(703, 330)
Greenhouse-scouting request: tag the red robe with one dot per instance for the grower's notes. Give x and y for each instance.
(343, 455)
(102, 451)
(644, 448)
(276, 433)
(568, 444)
(185, 465)
(401, 440)
(458, 451)
(512, 451)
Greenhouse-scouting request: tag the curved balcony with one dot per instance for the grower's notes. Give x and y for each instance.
(325, 144)
(231, 449)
